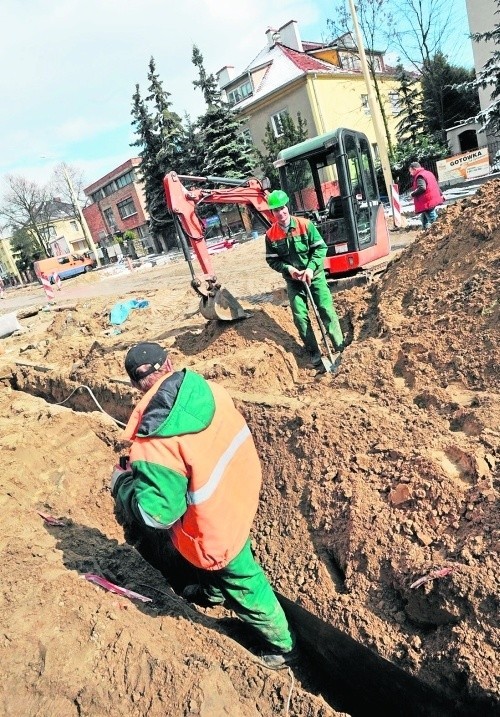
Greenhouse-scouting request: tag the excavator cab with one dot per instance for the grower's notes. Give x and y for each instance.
(331, 179)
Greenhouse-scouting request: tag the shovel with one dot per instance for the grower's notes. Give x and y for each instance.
(329, 364)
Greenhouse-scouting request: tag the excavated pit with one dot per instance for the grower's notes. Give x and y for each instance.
(349, 676)
(377, 477)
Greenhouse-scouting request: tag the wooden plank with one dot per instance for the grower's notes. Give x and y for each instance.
(36, 366)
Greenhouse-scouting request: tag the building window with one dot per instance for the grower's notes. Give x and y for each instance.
(125, 179)
(365, 104)
(143, 231)
(240, 93)
(49, 232)
(277, 123)
(98, 194)
(109, 188)
(73, 225)
(395, 103)
(350, 61)
(110, 218)
(246, 138)
(376, 63)
(126, 208)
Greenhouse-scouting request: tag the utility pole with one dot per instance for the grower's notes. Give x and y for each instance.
(374, 108)
(83, 221)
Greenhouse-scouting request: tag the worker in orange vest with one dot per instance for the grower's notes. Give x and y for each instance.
(194, 478)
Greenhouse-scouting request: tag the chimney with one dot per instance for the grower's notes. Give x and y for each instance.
(225, 75)
(273, 36)
(290, 36)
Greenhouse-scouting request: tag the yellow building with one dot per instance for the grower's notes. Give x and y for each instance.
(7, 264)
(63, 232)
(322, 82)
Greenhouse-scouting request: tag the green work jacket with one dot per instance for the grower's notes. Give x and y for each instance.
(302, 247)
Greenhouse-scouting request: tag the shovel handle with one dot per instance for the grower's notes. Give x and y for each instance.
(318, 319)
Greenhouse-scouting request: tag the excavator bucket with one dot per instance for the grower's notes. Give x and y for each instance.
(222, 306)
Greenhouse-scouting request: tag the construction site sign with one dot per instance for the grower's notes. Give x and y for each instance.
(468, 165)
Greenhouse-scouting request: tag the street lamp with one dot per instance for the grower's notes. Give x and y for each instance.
(83, 221)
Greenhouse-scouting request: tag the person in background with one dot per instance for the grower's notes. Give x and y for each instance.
(426, 194)
(295, 248)
(194, 477)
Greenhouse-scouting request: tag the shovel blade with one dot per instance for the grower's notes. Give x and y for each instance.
(331, 366)
(327, 365)
(222, 306)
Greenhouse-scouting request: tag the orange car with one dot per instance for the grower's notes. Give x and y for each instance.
(65, 266)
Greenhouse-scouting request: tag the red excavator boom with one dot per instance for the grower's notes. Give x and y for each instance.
(216, 302)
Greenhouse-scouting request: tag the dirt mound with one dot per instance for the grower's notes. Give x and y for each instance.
(441, 298)
(379, 509)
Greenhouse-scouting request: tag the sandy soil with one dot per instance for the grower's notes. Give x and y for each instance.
(374, 477)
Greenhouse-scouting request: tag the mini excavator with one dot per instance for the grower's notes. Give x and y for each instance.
(330, 179)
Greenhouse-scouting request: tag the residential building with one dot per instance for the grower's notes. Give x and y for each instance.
(117, 204)
(62, 230)
(323, 82)
(8, 268)
(483, 18)
(467, 135)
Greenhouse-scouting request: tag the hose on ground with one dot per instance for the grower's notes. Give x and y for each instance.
(59, 403)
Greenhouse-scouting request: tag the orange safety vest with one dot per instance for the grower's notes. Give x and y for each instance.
(224, 477)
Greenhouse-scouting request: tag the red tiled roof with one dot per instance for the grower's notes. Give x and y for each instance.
(306, 62)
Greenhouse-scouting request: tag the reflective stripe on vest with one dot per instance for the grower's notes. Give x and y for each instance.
(152, 522)
(205, 492)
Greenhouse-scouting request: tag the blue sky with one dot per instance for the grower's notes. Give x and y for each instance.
(69, 68)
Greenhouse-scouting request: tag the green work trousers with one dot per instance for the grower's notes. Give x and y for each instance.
(300, 310)
(246, 590)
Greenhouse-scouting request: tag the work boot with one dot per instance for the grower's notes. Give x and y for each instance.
(275, 660)
(199, 596)
(314, 360)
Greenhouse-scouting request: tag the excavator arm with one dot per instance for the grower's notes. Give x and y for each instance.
(216, 302)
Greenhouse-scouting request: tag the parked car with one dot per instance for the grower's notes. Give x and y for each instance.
(64, 266)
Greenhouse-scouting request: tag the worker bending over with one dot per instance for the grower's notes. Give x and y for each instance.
(295, 248)
(195, 476)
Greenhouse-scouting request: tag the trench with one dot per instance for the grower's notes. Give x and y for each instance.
(349, 676)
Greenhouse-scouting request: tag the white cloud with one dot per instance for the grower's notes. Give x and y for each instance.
(69, 68)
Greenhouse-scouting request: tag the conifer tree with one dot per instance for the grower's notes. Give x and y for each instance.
(159, 135)
(414, 143)
(192, 156)
(448, 95)
(292, 134)
(410, 116)
(226, 153)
